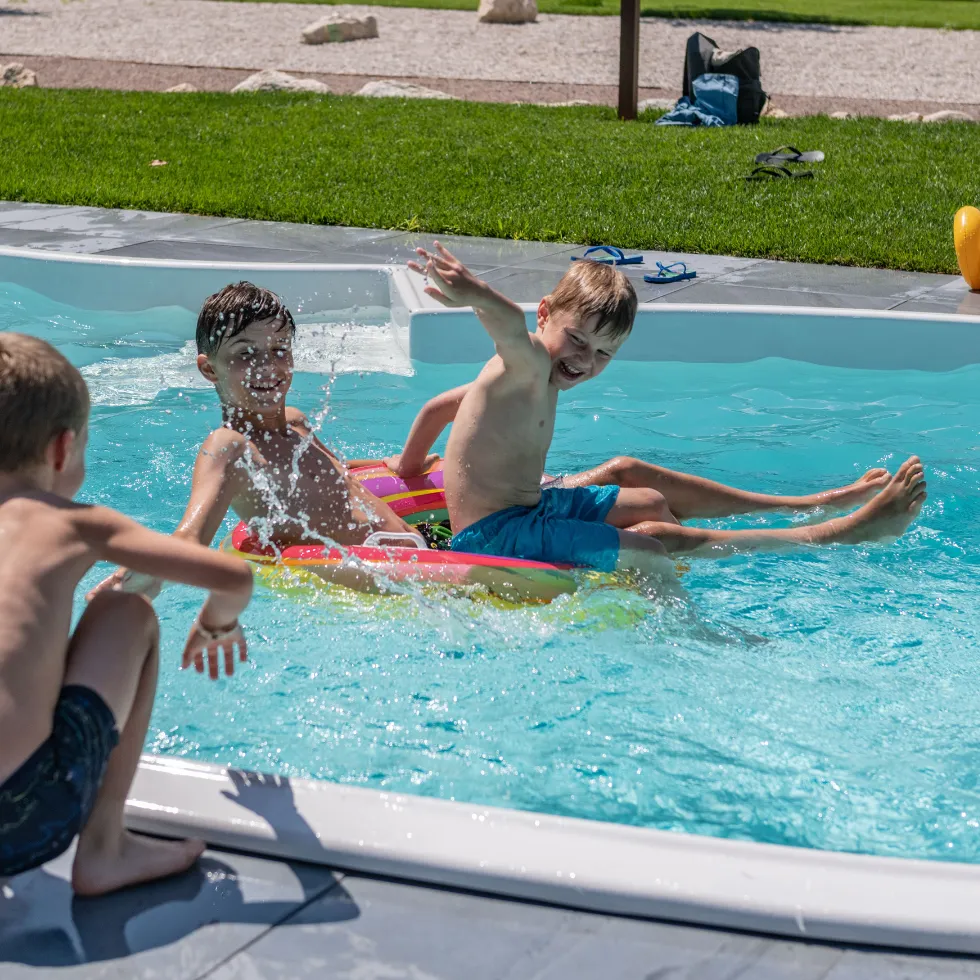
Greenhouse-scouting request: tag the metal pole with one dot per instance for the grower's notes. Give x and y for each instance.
(629, 57)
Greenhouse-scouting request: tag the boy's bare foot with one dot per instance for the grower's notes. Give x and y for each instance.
(889, 513)
(132, 860)
(854, 493)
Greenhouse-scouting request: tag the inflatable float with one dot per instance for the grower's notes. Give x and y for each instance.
(966, 238)
(384, 557)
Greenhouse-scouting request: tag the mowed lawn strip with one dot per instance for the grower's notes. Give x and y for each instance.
(954, 14)
(885, 196)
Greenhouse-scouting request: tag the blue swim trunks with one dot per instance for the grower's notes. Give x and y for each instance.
(47, 801)
(567, 527)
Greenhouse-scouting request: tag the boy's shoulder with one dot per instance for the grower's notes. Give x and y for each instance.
(225, 444)
(50, 517)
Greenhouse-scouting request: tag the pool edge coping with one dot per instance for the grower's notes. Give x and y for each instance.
(593, 866)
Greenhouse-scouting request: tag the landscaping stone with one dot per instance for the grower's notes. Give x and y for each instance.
(948, 115)
(15, 75)
(337, 27)
(842, 115)
(279, 81)
(508, 11)
(388, 89)
(570, 102)
(181, 87)
(909, 117)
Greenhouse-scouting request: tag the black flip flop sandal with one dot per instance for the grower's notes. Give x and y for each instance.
(776, 173)
(790, 154)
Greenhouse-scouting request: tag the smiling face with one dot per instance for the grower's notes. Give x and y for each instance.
(579, 349)
(253, 370)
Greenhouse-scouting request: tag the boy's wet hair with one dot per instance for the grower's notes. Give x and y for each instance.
(591, 288)
(228, 312)
(41, 396)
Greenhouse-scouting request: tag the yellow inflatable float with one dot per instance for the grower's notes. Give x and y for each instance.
(966, 238)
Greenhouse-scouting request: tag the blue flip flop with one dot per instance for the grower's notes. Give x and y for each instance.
(616, 256)
(666, 273)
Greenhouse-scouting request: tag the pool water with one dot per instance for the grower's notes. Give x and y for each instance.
(825, 699)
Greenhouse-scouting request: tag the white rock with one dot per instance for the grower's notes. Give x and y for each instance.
(389, 89)
(842, 115)
(776, 114)
(279, 81)
(15, 75)
(655, 104)
(948, 115)
(570, 102)
(508, 11)
(181, 87)
(909, 117)
(340, 27)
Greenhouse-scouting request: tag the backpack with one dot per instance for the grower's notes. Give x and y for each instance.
(703, 56)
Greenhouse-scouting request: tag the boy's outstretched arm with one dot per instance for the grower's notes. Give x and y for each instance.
(212, 490)
(114, 537)
(454, 285)
(434, 416)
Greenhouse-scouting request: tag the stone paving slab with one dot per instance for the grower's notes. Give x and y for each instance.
(178, 929)
(524, 271)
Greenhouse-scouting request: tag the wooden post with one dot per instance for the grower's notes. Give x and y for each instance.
(629, 57)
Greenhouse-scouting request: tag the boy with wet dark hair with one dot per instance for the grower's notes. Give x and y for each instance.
(75, 705)
(264, 462)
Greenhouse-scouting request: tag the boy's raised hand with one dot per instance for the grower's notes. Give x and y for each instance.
(454, 284)
(216, 645)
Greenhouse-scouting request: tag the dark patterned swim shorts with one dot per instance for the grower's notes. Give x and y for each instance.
(46, 802)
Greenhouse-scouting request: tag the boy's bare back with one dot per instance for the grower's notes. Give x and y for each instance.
(45, 551)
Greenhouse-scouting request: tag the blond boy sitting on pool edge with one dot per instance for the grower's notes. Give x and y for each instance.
(504, 422)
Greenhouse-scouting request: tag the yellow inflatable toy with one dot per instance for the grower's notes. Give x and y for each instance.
(966, 238)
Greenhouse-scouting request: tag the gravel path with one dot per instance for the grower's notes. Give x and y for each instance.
(865, 62)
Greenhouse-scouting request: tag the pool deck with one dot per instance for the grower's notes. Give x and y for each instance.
(524, 271)
(240, 916)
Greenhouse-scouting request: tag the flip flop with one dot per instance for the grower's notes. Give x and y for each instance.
(666, 273)
(776, 173)
(617, 256)
(790, 154)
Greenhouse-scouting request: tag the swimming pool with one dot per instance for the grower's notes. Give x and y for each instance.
(821, 700)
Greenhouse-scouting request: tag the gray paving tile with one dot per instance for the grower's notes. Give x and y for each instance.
(280, 234)
(210, 251)
(403, 930)
(179, 928)
(830, 279)
(706, 266)
(954, 297)
(131, 225)
(875, 965)
(58, 241)
(721, 291)
(13, 213)
(494, 253)
(524, 285)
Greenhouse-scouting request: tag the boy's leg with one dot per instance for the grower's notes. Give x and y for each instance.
(886, 515)
(690, 496)
(114, 652)
(634, 505)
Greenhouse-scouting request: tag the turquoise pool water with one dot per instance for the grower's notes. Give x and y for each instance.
(825, 699)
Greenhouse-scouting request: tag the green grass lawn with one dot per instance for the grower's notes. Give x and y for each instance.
(956, 14)
(885, 196)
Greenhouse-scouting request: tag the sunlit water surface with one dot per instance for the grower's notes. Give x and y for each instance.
(825, 699)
